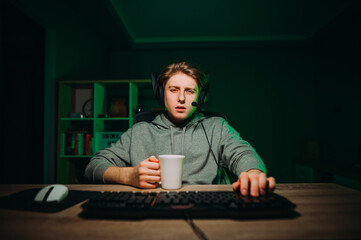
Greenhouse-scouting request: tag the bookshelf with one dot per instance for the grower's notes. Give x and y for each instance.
(91, 115)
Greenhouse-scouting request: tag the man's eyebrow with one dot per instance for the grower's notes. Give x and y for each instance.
(193, 89)
(187, 88)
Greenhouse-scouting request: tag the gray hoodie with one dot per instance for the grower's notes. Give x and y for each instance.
(222, 145)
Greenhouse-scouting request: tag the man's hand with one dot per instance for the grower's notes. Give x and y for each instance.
(254, 182)
(146, 174)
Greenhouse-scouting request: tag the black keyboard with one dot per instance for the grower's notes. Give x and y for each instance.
(201, 204)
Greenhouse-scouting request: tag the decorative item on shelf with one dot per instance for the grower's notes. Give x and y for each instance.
(88, 107)
(139, 109)
(118, 107)
(76, 115)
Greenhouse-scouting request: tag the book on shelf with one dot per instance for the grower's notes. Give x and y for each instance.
(76, 143)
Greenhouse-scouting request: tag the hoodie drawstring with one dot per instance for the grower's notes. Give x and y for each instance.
(172, 139)
(183, 133)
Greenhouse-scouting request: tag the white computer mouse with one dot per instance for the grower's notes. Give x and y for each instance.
(51, 194)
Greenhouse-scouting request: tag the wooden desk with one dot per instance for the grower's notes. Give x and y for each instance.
(327, 211)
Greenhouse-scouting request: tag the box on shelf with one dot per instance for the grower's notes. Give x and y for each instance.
(105, 139)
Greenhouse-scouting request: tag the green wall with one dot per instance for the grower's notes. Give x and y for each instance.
(80, 53)
(336, 61)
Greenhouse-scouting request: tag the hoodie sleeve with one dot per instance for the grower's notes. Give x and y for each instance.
(238, 155)
(116, 155)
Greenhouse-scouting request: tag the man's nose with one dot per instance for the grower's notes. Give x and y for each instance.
(181, 97)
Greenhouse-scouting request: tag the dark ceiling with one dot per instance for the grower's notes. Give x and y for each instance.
(190, 23)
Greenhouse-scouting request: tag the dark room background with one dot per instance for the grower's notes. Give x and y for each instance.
(286, 97)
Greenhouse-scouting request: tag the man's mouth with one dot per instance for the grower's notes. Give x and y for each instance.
(180, 108)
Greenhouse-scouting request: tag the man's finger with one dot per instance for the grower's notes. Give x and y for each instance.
(262, 184)
(153, 159)
(153, 172)
(254, 182)
(271, 184)
(149, 184)
(146, 170)
(152, 164)
(236, 186)
(244, 179)
(148, 178)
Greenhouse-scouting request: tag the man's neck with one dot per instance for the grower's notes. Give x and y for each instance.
(180, 123)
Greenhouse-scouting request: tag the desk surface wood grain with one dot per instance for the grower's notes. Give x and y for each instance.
(327, 211)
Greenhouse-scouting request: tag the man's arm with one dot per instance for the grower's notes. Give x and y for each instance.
(145, 175)
(238, 155)
(117, 155)
(242, 158)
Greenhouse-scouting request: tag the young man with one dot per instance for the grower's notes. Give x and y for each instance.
(206, 142)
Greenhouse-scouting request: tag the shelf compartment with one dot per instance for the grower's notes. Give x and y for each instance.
(72, 94)
(112, 99)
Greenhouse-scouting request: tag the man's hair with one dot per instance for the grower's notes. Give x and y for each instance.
(185, 68)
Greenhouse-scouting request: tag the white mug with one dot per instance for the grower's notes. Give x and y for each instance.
(171, 171)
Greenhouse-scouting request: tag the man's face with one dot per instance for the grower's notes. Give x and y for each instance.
(179, 93)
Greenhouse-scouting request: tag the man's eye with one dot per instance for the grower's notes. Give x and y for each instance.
(173, 90)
